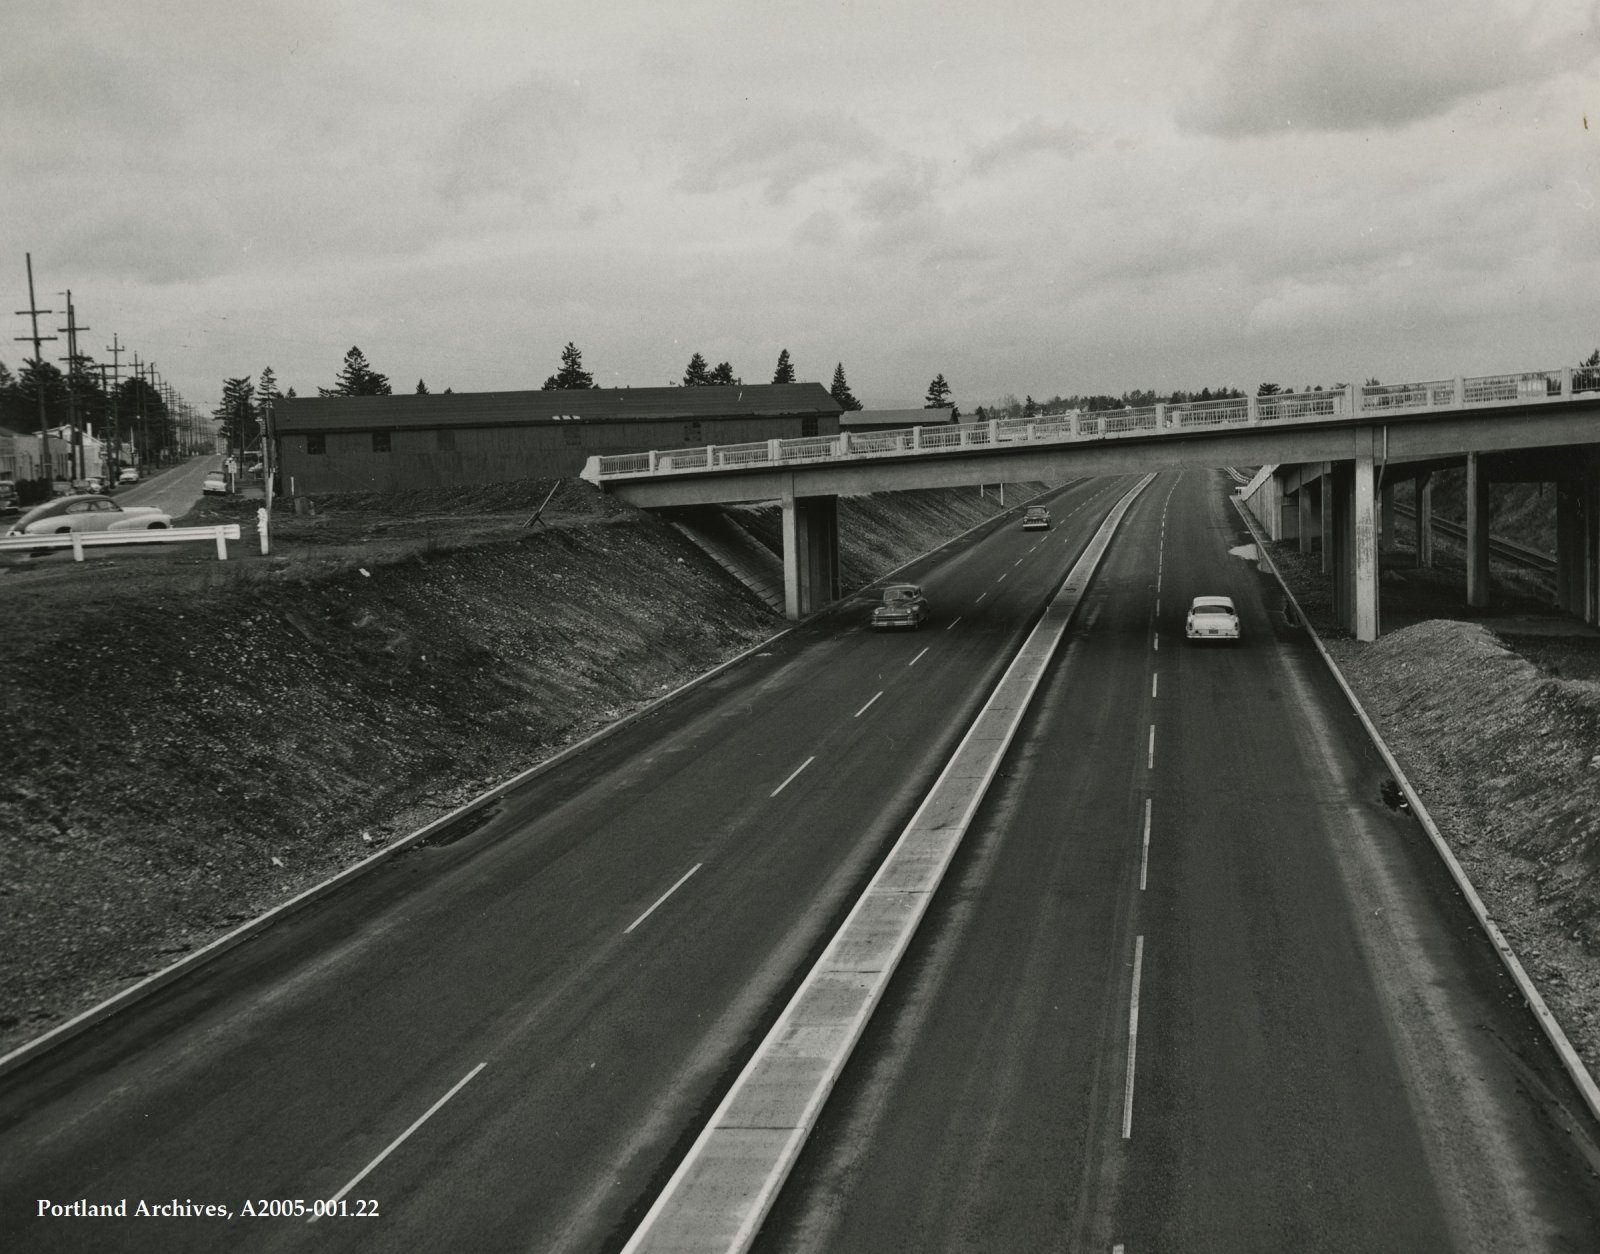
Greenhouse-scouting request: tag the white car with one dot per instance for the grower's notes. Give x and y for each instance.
(216, 484)
(88, 513)
(130, 474)
(1212, 618)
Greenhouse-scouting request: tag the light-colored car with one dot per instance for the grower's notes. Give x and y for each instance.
(216, 484)
(1037, 518)
(1212, 618)
(903, 605)
(129, 474)
(88, 513)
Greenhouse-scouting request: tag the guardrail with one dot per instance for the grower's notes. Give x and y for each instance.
(78, 541)
(1352, 402)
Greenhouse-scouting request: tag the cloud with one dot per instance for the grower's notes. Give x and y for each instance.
(519, 141)
(779, 151)
(1371, 66)
(1027, 139)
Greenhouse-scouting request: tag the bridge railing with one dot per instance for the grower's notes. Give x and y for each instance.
(1351, 401)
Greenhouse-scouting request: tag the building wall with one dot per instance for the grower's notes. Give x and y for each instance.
(454, 456)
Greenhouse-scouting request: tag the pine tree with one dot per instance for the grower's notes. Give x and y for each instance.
(938, 393)
(1029, 407)
(840, 391)
(572, 374)
(422, 388)
(722, 375)
(698, 375)
(357, 378)
(785, 371)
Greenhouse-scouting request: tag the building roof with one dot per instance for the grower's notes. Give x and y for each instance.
(891, 418)
(493, 409)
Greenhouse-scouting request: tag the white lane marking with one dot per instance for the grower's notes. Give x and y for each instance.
(665, 895)
(1155, 685)
(1151, 760)
(1156, 643)
(868, 705)
(395, 1144)
(1144, 860)
(918, 658)
(790, 780)
(1018, 562)
(981, 595)
(1002, 576)
(1158, 607)
(1133, 1039)
(954, 621)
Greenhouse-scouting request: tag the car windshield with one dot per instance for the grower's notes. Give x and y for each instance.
(891, 595)
(1213, 608)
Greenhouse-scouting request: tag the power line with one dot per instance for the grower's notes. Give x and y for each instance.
(33, 311)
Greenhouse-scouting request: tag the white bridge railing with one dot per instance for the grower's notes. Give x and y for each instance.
(1353, 402)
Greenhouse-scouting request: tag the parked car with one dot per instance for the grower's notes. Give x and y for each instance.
(130, 474)
(1037, 518)
(8, 497)
(216, 484)
(61, 487)
(903, 605)
(1212, 618)
(88, 513)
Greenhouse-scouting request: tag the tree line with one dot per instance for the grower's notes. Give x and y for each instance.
(125, 411)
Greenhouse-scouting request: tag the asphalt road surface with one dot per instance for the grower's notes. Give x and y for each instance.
(1190, 984)
(506, 1039)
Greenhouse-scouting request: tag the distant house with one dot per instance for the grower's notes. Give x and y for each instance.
(894, 419)
(329, 444)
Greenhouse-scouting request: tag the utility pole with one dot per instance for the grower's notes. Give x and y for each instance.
(143, 450)
(72, 328)
(116, 350)
(33, 311)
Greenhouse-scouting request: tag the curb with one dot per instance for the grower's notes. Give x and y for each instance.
(1530, 994)
(189, 963)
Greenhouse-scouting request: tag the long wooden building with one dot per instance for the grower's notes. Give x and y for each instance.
(330, 444)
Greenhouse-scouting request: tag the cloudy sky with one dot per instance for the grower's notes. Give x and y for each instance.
(1028, 197)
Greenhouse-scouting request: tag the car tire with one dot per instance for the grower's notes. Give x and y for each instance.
(156, 527)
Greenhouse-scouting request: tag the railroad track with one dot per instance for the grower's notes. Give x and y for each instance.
(1506, 550)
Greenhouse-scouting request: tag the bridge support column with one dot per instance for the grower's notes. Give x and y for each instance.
(1424, 497)
(810, 553)
(1574, 510)
(1327, 502)
(1307, 522)
(1477, 532)
(1354, 545)
(1386, 515)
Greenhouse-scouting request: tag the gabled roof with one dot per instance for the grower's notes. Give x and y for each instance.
(489, 409)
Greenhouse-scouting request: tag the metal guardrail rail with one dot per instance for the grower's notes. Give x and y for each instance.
(1353, 402)
(78, 541)
(1507, 550)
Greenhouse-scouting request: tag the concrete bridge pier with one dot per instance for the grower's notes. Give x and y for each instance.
(1354, 545)
(1424, 500)
(1477, 532)
(1309, 524)
(1578, 543)
(810, 553)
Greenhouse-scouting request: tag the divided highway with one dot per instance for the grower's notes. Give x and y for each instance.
(506, 1038)
(1190, 985)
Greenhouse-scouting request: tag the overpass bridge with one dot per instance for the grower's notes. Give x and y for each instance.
(1333, 455)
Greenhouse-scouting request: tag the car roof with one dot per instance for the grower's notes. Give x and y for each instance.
(58, 504)
(1199, 601)
(902, 587)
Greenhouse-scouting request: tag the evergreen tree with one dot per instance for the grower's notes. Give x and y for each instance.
(1268, 389)
(572, 374)
(1029, 408)
(238, 413)
(840, 391)
(698, 374)
(357, 378)
(785, 371)
(938, 393)
(722, 375)
(422, 388)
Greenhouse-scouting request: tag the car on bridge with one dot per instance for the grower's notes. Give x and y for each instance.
(1037, 518)
(903, 605)
(66, 514)
(1212, 618)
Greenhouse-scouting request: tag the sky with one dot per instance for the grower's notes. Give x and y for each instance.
(1029, 198)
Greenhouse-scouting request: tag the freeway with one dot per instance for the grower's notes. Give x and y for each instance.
(505, 1038)
(1190, 985)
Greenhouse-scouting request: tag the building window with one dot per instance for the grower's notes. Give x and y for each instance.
(316, 443)
(808, 426)
(691, 433)
(380, 441)
(445, 441)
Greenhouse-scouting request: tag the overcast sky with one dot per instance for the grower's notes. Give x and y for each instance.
(1027, 197)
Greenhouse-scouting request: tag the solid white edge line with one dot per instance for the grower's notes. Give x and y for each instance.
(1574, 1065)
(1144, 859)
(395, 1144)
(1133, 1039)
(791, 778)
(868, 705)
(663, 897)
(918, 658)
